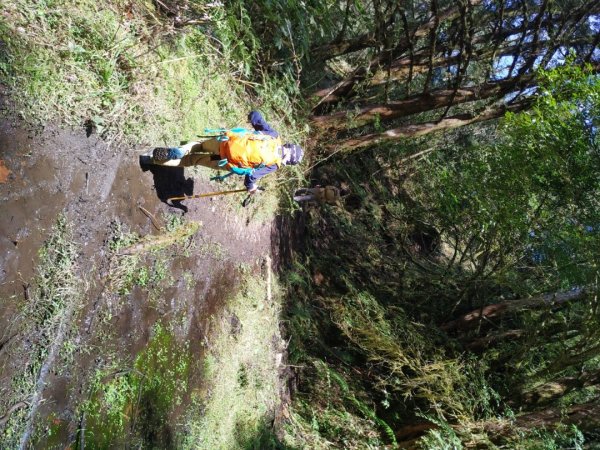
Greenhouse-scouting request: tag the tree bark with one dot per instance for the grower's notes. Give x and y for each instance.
(569, 360)
(334, 49)
(471, 319)
(480, 344)
(421, 103)
(422, 129)
(552, 390)
(585, 416)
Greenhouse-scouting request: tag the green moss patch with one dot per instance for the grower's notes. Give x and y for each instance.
(136, 405)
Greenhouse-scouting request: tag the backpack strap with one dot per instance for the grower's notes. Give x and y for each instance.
(239, 171)
(221, 177)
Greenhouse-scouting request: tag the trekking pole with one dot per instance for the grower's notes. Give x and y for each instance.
(250, 198)
(209, 194)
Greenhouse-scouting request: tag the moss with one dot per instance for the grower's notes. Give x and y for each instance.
(136, 405)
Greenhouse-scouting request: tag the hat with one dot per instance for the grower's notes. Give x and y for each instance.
(292, 154)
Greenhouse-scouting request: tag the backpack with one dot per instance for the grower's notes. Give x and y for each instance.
(250, 150)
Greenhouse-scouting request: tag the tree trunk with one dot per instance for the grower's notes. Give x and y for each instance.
(586, 417)
(421, 103)
(481, 344)
(333, 49)
(422, 129)
(547, 392)
(550, 29)
(399, 69)
(569, 360)
(413, 431)
(342, 89)
(471, 319)
(366, 40)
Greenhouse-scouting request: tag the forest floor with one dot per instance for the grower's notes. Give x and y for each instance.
(130, 300)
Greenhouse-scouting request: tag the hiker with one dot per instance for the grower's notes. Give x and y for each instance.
(328, 194)
(243, 152)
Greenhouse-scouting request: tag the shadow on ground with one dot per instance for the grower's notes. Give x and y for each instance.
(265, 438)
(287, 238)
(170, 182)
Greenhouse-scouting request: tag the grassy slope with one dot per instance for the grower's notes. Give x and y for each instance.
(124, 67)
(242, 366)
(238, 396)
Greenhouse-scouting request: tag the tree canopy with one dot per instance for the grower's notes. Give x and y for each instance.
(434, 66)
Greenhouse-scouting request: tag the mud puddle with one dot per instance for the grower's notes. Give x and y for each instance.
(51, 172)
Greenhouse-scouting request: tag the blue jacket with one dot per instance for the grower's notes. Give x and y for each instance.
(259, 124)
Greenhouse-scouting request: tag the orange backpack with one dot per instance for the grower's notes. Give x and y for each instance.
(250, 150)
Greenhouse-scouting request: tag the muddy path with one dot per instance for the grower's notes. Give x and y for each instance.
(98, 186)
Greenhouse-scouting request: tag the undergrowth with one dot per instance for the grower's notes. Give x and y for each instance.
(128, 72)
(240, 372)
(360, 336)
(134, 404)
(130, 267)
(45, 320)
(478, 225)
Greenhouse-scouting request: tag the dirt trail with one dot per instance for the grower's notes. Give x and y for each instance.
(49, 171)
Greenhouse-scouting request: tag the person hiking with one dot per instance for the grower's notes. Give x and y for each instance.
(243, 152)
(319, 194)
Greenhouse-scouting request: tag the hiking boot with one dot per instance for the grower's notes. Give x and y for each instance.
(166, 154)
(161, 154)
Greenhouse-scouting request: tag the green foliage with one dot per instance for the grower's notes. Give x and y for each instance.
(517, 218)
(487, 220)
(364, 409)
(173, 222)
(332, 413)
(565, 437)
(443, 437)
(120, 238)
(290, 28)
(414, 367)
(559, 148)
(528, 201)
(135, 404)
